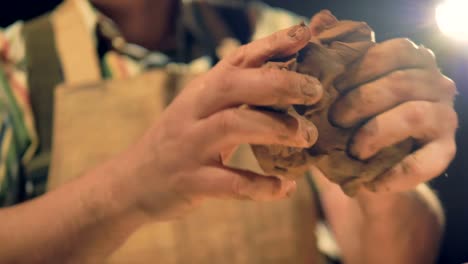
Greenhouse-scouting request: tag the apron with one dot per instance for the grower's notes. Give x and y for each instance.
(95, 119)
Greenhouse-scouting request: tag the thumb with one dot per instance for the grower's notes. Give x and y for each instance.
(321, 21)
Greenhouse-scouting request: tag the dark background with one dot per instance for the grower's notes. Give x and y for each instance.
(414, 19)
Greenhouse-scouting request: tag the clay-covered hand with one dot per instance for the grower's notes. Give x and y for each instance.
(182, 163)
(410, 98)
(332, 52)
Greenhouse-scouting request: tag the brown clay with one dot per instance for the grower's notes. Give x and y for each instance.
(336, 51)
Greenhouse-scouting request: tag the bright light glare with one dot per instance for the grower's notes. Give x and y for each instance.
(452, 18)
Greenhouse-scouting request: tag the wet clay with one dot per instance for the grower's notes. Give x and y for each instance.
(333, 53)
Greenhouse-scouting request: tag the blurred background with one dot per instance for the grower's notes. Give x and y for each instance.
(413, 19)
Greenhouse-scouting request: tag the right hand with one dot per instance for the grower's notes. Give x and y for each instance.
(178, 160)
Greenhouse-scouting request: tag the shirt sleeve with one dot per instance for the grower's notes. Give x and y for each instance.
(18, 138)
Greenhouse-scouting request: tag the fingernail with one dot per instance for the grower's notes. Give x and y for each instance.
(306, 135)
(363, 145)
(353, 152)
(298, 32)
(350, 148)
(311, 88)
(309, 132)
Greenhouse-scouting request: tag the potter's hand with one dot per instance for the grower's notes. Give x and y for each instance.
(397, 92)
(411, 98)
(183, 165)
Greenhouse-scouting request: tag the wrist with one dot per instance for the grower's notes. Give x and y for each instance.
(375, 206)
(115, 194)
(95, 214)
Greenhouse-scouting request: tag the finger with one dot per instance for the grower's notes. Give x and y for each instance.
(321, 21)
(421, 120)
(246, 126)
(260, 87)
(327, 28)
(421, 166)
(387, 92)
(280, 44)
(384, 58)
(226, 183)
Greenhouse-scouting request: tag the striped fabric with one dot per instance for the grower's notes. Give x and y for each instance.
(18, 138)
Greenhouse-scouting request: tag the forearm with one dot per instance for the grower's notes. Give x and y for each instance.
(81, 222)
(393, 228)
(400, 227)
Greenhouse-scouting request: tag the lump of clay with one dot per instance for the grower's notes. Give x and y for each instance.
(335, 51)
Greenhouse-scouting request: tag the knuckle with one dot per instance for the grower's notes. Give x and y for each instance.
(225, 83)
(338, 117)
(445, 119)
(227, 121)
(278, 85)
(365, 99)
(369, 130)
(451, 149)
(272, 75)
(428, 53)
(351, 101)
(268, 73)
(405, 44)
(428, 56)
(239, 56)
(236, 186)
(198, 86)
(452, 119)
(401, 84)
(349, 109)
(365, 142)
(241, 51)
(416, 112)
(411, 167)
(220, 77)
(400, 76)
(449, 86)
(272, 42)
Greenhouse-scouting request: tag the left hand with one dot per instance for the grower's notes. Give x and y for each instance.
(410, 99)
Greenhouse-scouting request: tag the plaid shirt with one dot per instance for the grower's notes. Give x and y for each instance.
(119, 59)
